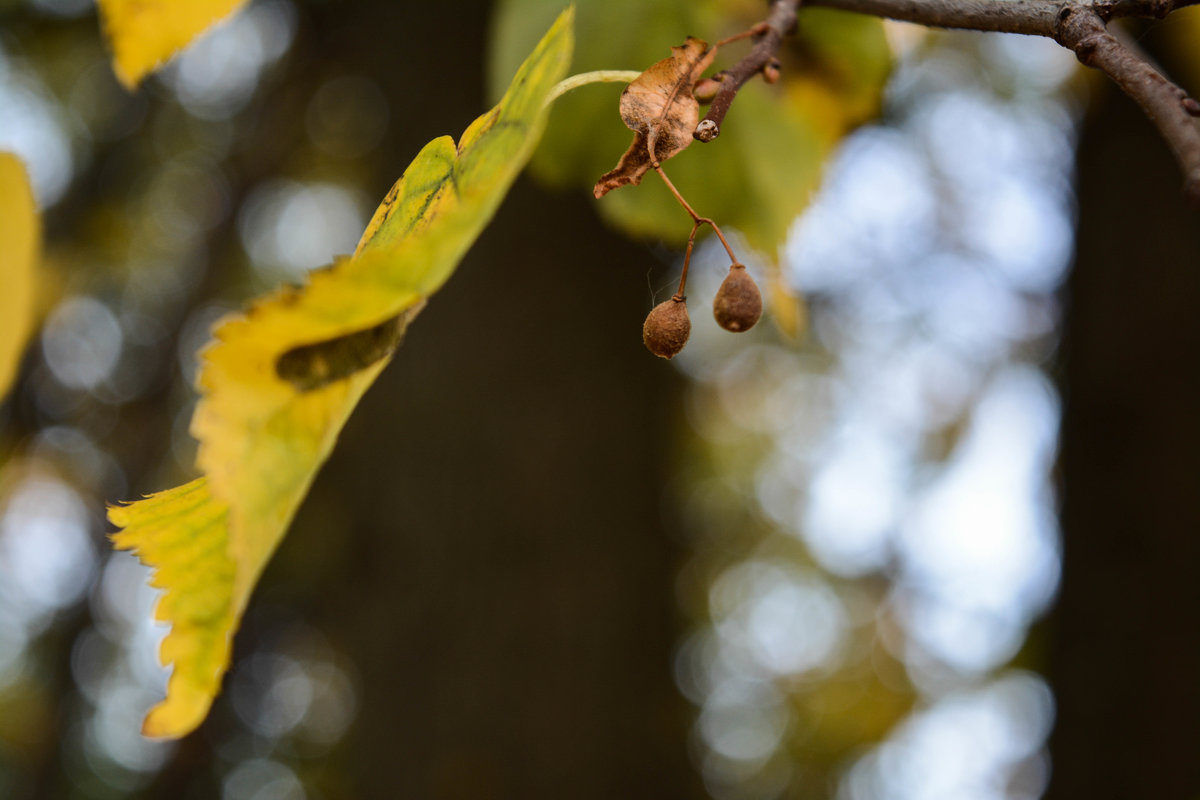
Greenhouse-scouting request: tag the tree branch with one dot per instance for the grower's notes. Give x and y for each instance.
(1078, 25)
(1033, 17)
(780, 22)
(1167, 105)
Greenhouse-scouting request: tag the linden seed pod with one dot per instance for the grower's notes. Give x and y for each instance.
(738, 303)
(667, 327)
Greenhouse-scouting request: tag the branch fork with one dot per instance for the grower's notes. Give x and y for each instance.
(1169, 107)
(1078, 25)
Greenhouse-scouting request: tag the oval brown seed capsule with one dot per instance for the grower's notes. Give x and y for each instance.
(738, 303)
(667, 327)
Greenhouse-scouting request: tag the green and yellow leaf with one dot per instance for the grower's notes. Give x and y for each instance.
(184, 533)
(280, 380)
(20, 237)
(143, 34)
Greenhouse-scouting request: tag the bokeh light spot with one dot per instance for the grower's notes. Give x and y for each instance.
(81, 342)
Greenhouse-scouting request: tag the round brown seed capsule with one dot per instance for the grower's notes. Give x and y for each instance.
(667, 327)
(738, 303)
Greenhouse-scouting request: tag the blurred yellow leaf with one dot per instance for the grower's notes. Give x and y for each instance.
(183, 533)
(145, 33)
(788, 310)
(280, 381)
(20, 235)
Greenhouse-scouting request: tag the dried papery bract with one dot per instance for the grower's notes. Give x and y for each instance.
(667, 328)
(738, 304)
(659, 106)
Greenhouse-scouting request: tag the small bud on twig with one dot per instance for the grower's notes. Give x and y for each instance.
(706, 131)
(770, 70)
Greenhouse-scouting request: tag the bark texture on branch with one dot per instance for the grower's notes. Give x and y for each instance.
(1167, 105)
(1078, 25)
(780, 22)
(1033, 17)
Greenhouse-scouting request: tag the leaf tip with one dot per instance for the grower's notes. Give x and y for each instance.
(118, 516)
(168, 720)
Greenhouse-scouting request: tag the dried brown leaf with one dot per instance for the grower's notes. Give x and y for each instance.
(661, 110)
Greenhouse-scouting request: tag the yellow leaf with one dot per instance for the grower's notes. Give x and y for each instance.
(279, 381)
(145, 33)
(788, 310)
(183, 533)
(20, 235)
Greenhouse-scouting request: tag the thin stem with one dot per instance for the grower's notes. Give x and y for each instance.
(686, 207)
(751, 31)
(585, 78)
(696, 218)
(724, 242)
(687, 259)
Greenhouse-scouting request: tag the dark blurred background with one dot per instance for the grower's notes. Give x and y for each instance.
(944, 546)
